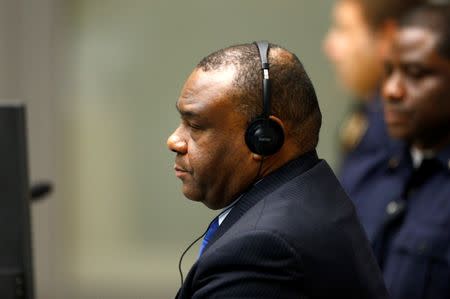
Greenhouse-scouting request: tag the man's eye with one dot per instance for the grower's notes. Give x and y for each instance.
(388, 69)
(191, 125)
(416, 72)
(194, 126)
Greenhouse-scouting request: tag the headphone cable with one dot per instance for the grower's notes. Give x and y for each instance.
(186, 250)
(198, 238)
(259, 169)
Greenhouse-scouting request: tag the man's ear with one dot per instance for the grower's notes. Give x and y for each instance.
(257, 157)
(278, 121)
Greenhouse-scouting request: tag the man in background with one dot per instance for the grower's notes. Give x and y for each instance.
(356, 44)
(404, 204)
(246, 143)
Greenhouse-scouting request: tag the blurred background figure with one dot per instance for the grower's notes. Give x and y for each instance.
(355, 44)
(404, 203)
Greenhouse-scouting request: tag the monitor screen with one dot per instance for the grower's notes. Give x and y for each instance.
(16, 279)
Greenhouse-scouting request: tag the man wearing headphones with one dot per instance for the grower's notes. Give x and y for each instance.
(246, 143)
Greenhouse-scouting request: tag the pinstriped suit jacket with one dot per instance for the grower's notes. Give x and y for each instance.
(293, 235)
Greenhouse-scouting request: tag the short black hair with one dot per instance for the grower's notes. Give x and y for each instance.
(293, 98)
(434, 17)
(377, 12)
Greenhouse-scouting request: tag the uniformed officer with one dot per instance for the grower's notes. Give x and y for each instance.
(404, 204)
(356, 44)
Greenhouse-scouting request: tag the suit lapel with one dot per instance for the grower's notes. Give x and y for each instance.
(267, 185)
(186, 289)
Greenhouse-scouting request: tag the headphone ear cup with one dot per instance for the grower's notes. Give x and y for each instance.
(264, 137)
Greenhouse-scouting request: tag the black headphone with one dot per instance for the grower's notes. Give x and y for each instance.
(264, 136)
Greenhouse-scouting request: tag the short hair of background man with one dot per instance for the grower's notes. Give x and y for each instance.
(377, 12)
(293, 97)
(436, 18)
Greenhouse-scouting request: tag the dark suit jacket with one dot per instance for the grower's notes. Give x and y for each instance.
(293, 235)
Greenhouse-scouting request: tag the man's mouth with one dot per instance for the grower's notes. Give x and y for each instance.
(394, 115)
(180, 171)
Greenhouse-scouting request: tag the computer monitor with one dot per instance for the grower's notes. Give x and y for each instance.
(16, 271)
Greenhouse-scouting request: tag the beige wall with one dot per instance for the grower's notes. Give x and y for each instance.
(25, 74)
(101, 78)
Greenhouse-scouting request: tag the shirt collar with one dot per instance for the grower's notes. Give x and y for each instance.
(418, 156)
(225, 211)
(401, 154)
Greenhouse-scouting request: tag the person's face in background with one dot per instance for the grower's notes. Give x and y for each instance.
(353, 48)
(417, 89)
(212, 160)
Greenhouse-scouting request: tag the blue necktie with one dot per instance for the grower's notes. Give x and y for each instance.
(209, 234)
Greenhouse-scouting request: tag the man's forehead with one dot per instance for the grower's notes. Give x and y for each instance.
(416, 39)
(195, 102)
(199, 78)
(206, 86)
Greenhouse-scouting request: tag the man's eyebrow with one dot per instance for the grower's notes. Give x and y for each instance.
(184, 113)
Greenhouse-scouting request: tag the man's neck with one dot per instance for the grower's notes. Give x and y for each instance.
(434, 145)
(272, 163)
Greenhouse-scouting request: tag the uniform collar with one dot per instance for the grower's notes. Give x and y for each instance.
(443, 157)
(400, 155)
(417, 156)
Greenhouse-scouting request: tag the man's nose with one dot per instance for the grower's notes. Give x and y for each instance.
(393, 88)
(176, 143)
(328, 45)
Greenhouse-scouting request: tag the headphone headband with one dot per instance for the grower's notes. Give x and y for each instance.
(263, 135)
(263, 48)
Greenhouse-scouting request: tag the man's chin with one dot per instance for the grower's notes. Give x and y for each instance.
(189, 195)
(398, 132)
(209, 201)
(192, 195)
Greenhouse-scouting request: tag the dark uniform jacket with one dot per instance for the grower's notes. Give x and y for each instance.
(293, 235)
(369, 149)
(406, 213)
